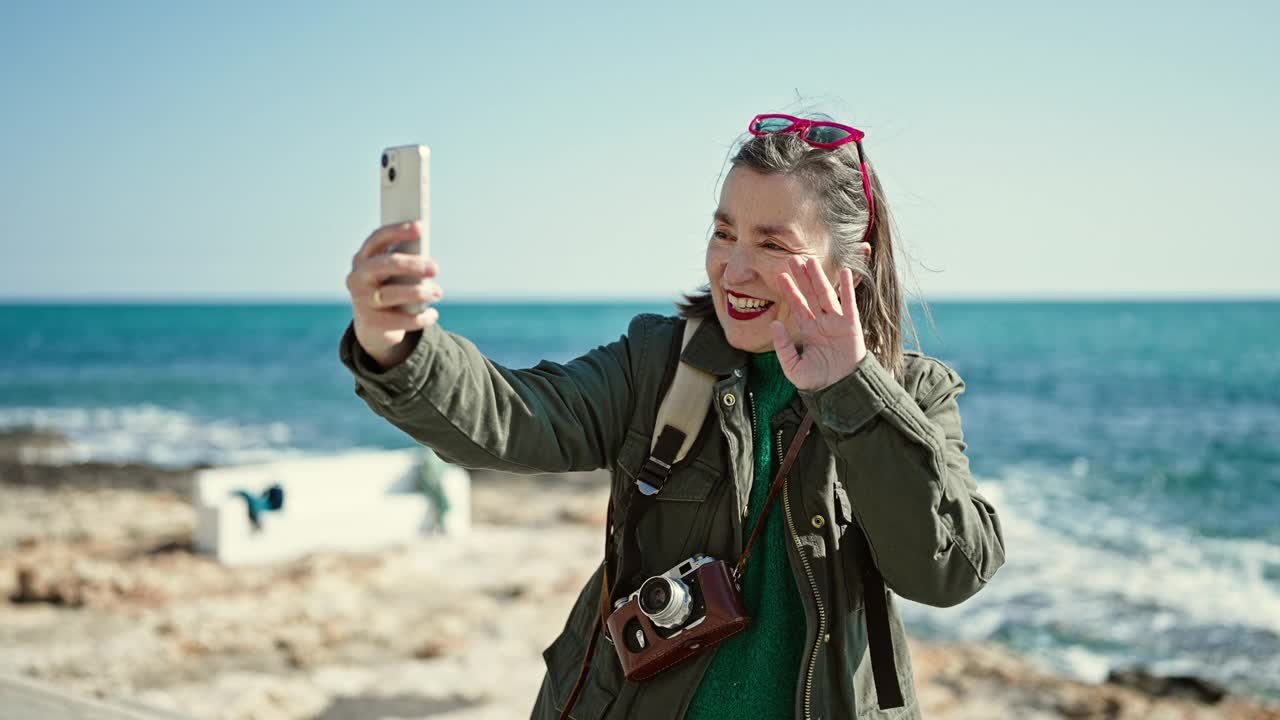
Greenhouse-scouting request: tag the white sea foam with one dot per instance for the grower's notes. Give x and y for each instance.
(154, 435)
(1088, 586)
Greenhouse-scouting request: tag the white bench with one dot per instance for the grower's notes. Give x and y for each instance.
(355, 501)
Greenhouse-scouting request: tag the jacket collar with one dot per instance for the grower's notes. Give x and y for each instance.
(709, 350)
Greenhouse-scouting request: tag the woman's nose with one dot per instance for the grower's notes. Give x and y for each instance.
(738, 270)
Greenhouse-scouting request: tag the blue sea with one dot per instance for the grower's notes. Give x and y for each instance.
(1131, 448)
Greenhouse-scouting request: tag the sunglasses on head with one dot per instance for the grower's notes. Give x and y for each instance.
(824, 136)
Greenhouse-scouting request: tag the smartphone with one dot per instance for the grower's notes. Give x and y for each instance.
(406, 197)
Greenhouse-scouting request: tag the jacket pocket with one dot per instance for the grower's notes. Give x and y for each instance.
(691, 480)
(851, 550)
(673, 524)
(565, 655)
(564, 662)
(843, 510)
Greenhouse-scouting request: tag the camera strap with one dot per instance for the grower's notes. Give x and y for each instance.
(778, 481)
(604, 614)
(879, 634)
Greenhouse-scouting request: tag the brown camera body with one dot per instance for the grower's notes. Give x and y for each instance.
(716, 612)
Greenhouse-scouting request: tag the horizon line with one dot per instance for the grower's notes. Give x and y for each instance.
(1241, 296)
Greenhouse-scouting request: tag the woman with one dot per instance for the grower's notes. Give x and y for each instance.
(801, 317)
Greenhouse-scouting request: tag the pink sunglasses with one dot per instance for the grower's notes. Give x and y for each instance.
(824, 136)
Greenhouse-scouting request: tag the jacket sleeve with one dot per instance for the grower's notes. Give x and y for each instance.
(476, 413)
(901, 457)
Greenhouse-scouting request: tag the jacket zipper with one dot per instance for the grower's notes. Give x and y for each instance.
(813, 586)
(812, 663)
(751, 404)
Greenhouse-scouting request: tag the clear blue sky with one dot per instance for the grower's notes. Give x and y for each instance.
(230, 149)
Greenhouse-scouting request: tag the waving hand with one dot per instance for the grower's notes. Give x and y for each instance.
(829, 343)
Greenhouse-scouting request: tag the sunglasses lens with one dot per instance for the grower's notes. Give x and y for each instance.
(771, 125)
(827, 134)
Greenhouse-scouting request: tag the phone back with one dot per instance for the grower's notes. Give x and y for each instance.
(406, 197)
(406, 187)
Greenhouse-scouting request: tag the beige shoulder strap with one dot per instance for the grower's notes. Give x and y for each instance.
(688, 399)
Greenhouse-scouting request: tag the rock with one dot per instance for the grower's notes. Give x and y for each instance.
(30, 444)
(438, 646)
(1089, 705)
(1174, 686)
(88, 475)
(42, 457)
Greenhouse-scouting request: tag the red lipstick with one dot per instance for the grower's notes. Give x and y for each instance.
(737, 314)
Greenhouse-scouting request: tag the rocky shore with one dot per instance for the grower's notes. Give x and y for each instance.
(102, 594)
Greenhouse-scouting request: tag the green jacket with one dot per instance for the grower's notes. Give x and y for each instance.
(890, 459)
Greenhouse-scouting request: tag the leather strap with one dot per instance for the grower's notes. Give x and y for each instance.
(604, 614)
(792, 453)
(879, 634)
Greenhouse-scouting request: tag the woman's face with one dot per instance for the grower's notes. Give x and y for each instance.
(762, 221)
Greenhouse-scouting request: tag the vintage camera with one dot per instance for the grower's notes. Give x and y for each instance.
(673, 616)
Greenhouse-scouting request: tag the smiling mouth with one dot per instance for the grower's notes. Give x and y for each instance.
(743, 307)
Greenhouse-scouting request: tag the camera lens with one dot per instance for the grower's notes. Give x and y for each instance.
(665, 601)
(391, 174)
(385, 160)
(655, 596)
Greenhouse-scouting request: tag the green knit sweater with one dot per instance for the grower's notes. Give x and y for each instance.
(754, 673)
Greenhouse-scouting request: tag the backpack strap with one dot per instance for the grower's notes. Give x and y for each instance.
(686, 396)
(680, 416)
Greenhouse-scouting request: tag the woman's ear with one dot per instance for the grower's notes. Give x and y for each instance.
(864, 249)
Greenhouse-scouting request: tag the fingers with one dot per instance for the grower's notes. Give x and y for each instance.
(416, 322)
(427, 317)
(382, 282)
(383, 238)
(797, 267)
(392, 295)
(784, 346)
(374, 272)
(819, 288)
(392, 319)
(800, 310)
(813, 284)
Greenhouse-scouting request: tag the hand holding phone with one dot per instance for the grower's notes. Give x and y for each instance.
(406, 197)
(391, 280)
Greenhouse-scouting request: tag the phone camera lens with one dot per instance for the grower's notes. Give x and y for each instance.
(385, 160)
(391, 174)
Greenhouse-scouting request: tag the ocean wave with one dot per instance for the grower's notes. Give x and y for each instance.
(154, 435)
(1091, 586)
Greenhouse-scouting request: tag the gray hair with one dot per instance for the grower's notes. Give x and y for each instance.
(834, 180)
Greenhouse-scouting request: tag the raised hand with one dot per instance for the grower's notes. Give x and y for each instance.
(828, 342)
(381, 327)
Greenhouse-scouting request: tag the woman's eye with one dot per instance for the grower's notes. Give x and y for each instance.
(720, 235)
(771, 245)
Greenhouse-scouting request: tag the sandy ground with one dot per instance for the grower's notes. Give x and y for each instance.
(102, 594)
